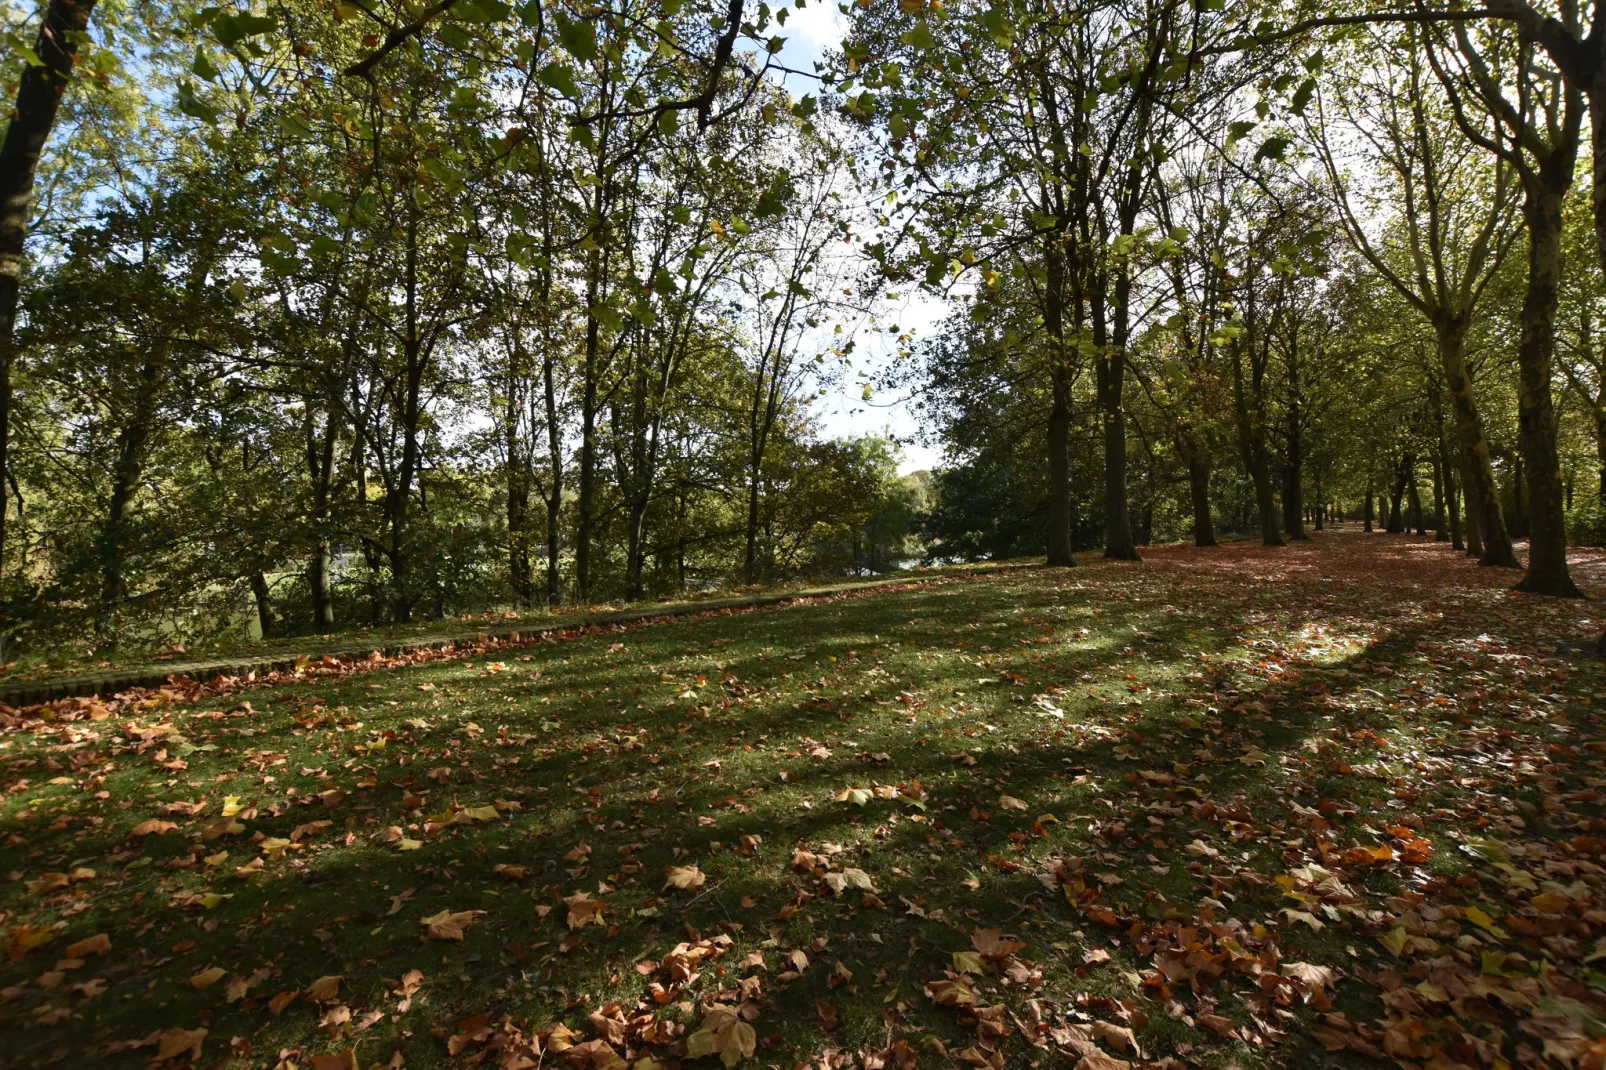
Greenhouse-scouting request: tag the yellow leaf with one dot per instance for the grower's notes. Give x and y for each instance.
(207, 978)
(583, 910)
(967, 962)
(1394, 941)
(324, 988)
(449, 925)
(231, 805)
(685, 878)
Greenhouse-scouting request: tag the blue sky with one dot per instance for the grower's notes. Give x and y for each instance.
(811, 32)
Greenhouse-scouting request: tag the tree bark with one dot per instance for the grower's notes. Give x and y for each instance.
(402, 596)
(1396, 522)
(264, 603)
(588, 431)
(1371, 467)
(1478, 482)
(1204, 532)
(1111, 382)
(1059, 417)
(1536, 414)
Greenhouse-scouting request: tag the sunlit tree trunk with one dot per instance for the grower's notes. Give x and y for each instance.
(1536, 414)
(1483, 497)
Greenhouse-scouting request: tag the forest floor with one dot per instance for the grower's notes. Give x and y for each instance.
(1324, 806)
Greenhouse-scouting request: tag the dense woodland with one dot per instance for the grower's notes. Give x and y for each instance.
(323, 314)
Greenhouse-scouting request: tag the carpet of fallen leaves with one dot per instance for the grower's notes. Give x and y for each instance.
(1333, 805)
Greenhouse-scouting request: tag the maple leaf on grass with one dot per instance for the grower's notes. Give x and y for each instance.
(449, 925)
(722, 1033)
(993, 944)
(849, 878)
(686, 878)
(176, 1042)
(583, 910)
(325, 988)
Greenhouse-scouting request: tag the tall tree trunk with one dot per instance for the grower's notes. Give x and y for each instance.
(1416, 500)
(1111, 383)
(750, 561)
(130, 466)
(554, 497)
(1439, 532)
(1293, 480)
(264, 603)
(519, 478)
(1204, 532)
(1471, 515)
(1396, 523)
(39, 93)
(402, 596)
(320, 459)
(1536, 414)
(1482, 495)
(1058, 538)
(1371, 471)
(588, 432)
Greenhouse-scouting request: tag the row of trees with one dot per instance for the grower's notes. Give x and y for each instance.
(1264, 230)
(376, 310)
(514, 308)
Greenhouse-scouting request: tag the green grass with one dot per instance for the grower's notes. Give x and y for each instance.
(89, 657)
(723, 742)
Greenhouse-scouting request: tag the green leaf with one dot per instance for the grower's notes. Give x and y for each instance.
(23, 50)
(560, 77)
(669, 122)
(233, 28)
(194, 106)
(481, 10)
(1273, 148)
(1302, 95)
(295, 126)
(203, 67)
(578, 38)
(919, 36)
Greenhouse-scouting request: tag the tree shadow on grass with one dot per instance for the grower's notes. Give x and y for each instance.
(597, 810)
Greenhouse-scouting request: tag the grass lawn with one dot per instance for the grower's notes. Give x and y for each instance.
(1236, 807)
(51, 663)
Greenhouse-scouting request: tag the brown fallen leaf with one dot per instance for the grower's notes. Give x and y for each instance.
(993, 944)
(207, 978)
(449, 925)
(176, 1042)
(1097, 1060)
(324, 988)
(98, 944)
(722, 1033)
(151, 828)
(583, 910)
(686, 878)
